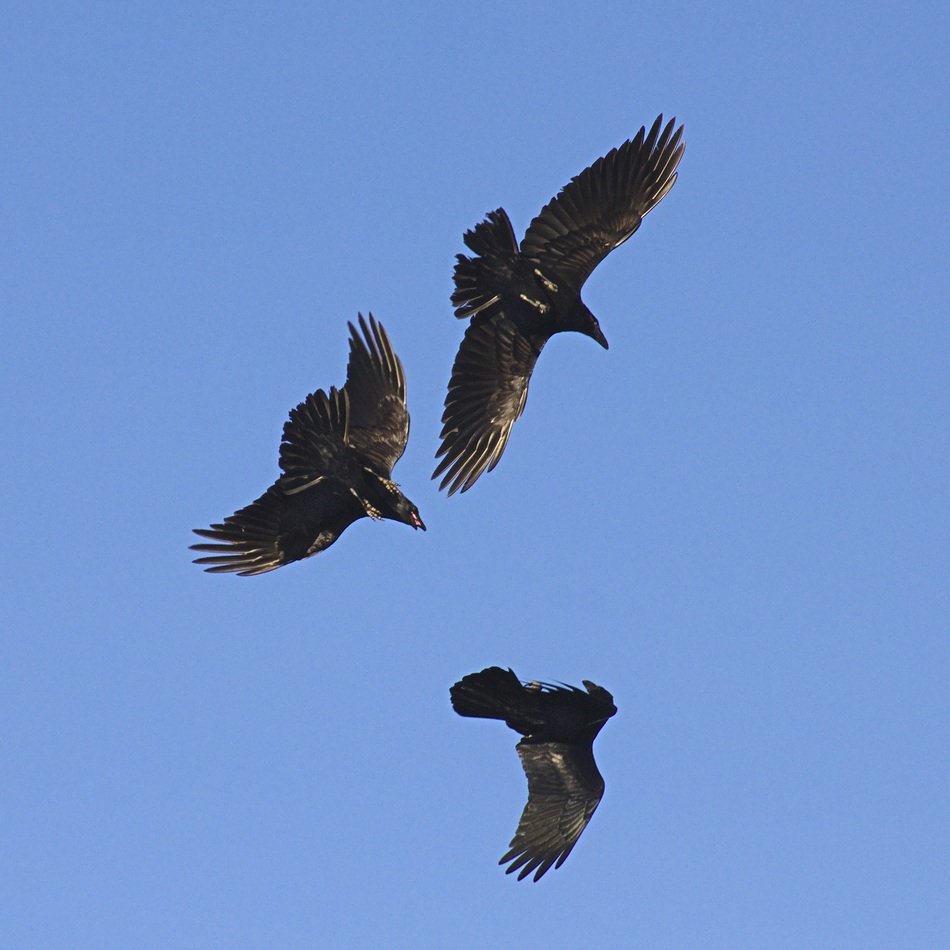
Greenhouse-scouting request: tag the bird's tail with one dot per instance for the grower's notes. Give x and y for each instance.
(493, 241)
(490, 694)
(494, 235)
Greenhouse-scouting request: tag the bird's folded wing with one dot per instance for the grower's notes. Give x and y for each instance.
(603, 206)
(486, 395)
(564, 790)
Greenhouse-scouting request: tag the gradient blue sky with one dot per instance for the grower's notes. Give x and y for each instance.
(736, 519)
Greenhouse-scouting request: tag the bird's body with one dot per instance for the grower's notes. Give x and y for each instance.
(517, 297)
(559, 725)
(336, 457)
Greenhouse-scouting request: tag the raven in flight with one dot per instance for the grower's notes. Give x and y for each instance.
(559, 725)
(337, 456)
(519, 297)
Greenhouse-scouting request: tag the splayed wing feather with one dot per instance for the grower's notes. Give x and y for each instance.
(274, 530)
(564, 790)
(376, 390)
(314, 439)
(603, 206)
(487, 394)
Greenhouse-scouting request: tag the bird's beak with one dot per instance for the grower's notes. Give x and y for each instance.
(598, 335)
(417, 521)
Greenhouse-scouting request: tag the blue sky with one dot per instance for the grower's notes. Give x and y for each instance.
(735, 520)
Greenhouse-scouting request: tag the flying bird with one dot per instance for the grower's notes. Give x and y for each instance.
(518, 297)
(559, 725)
(336, 458)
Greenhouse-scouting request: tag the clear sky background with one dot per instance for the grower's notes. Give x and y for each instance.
(736, 519)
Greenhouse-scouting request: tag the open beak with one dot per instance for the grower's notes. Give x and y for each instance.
(417, 521)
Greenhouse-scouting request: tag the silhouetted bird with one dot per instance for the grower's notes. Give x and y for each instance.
(337, 456)
(519, 297)
(559, 725)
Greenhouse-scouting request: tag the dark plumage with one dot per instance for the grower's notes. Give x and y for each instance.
(337, 456)
(519, 297)
(559, 725)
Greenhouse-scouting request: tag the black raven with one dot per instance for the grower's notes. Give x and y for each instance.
(337, 456)
(559, 725)
(519, 297)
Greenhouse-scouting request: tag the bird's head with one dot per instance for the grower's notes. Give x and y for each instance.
(594, 331)
(388, 501)
(602, 702)
(583, 321)
(406, 512)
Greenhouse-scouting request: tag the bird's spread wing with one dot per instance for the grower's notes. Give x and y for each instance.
(314, 440)
(564, 790)
(603, 205)
(276, 529)
(487, 393)
(367, 417)
(376, 393)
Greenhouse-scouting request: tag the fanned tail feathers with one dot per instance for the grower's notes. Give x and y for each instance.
(490, 694)
(493, 241)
